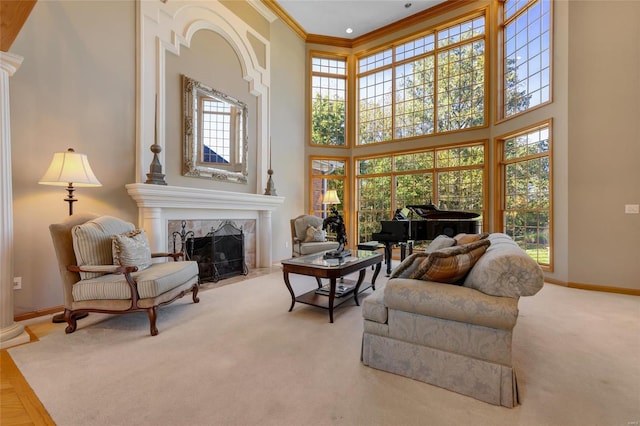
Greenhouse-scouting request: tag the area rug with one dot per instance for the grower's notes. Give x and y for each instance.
(240, 358)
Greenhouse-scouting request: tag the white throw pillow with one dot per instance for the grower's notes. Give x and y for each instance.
(131, 249)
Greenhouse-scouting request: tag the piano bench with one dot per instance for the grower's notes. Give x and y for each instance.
(370, 246)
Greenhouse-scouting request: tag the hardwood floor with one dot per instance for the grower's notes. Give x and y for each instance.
(19, 405)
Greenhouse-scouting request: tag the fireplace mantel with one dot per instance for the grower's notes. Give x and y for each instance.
(157, 204)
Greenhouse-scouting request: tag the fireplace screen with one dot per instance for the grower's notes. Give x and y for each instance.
(220, 253)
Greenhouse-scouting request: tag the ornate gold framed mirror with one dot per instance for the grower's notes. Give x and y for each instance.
(215, 133)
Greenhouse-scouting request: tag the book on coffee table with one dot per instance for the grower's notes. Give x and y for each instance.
(341, 289)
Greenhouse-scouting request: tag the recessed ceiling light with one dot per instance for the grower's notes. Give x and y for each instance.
(349, 30)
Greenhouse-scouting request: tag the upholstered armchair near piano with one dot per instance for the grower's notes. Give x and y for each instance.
(105, 265)
(308, 237)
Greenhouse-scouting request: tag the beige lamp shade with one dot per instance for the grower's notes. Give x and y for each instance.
(69, 167)
(331, 197)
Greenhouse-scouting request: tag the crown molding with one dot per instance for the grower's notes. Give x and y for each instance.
(370, 36)
(410, 20)
(329, 40)
(263, 10)
(286, 18)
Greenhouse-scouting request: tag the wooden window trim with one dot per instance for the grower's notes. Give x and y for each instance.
(467, 16)
(499, 181)
(485, 167)
(348, 90)
(498, 94)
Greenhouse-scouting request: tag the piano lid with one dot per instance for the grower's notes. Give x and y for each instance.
(429, 211)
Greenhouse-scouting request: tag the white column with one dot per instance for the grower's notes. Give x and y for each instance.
(264, 235)
(150, 219)
(11, 334)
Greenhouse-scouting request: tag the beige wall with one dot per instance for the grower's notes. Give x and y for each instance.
(288, 70)
(604, 142)
(75, 89)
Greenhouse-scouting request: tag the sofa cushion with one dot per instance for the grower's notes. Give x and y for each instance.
(152, 282)
(451, 302)
(451, 264)
(440, 242)
(131, 249)
(373, 307)
(505, 270)
(463, 338)
(408, 266)
(463, 238)
(92, 242)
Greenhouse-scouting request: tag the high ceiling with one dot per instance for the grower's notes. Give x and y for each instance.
(333, 17)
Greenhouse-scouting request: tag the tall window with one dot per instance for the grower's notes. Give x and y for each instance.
(328, 100)
(452, 178)
(526, 45)
(328, 173)
(430, 84)
(525, 175)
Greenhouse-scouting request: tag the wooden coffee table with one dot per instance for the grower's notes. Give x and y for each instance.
(317, 266)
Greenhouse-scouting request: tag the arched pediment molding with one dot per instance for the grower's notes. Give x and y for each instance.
(167, 26)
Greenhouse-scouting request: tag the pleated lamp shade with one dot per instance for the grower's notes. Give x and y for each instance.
(331, 197)
(69, 167)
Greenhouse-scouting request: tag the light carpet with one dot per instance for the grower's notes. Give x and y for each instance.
(240, 358)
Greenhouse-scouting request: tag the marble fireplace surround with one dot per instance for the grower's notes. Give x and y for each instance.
(202, 227)
(159, 204)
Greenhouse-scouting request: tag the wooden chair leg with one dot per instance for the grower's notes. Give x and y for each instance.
(153, 315)
(71, 320)
(194, 290)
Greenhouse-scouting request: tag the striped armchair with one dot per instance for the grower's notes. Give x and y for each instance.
(106, 266)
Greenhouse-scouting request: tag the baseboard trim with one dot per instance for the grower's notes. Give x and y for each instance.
(555, 281)
(593, 287)
(39, 313)
(619, 290)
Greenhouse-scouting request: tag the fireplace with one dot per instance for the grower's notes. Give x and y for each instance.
(161, 206)
(220, 253)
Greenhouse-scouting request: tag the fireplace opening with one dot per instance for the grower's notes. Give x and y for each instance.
(220, 253)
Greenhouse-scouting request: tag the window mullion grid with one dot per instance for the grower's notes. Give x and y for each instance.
(526, 158)
(503, 28)
(393, 107)
(438, 170)
(517, 14)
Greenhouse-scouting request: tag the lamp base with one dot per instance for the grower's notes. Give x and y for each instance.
(337, 254)
(59, 318)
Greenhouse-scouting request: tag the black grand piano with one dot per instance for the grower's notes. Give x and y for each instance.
(430, 222)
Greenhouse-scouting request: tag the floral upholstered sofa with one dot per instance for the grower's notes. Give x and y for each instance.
(446, 316)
